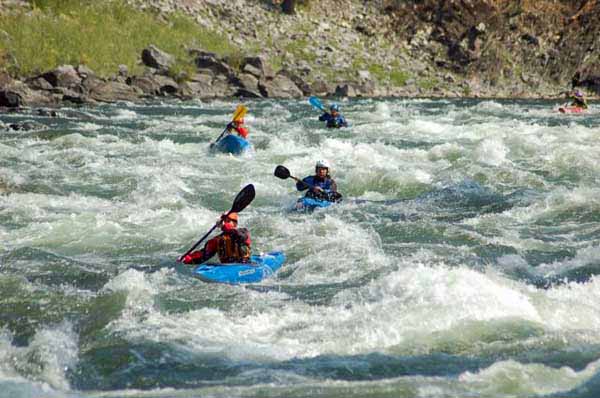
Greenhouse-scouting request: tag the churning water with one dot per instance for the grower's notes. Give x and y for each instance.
(462, 262)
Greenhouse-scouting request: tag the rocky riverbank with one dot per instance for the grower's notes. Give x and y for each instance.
(350, 48)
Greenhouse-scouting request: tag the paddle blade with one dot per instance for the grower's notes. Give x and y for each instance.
(243, 199)
(239, 113)
(282, 172)
(314, 101)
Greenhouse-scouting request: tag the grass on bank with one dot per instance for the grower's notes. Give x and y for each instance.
(101, 34)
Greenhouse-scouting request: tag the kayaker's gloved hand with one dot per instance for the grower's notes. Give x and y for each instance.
(194, 257)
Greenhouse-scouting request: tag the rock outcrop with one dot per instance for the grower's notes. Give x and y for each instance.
(351, 48)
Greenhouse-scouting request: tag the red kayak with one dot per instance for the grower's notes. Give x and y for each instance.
(571, 109)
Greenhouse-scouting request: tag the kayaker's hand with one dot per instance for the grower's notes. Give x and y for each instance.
(187, 259)
(318, 189)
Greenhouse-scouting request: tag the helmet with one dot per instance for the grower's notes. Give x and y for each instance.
(578, 94)
(334, 107)
(322, 164)
(231, 216)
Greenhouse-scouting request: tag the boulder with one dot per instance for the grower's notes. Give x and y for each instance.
(39, 83)
(252, 70)
(201, 85)
(46, 112)
(147, 84)
(26, 126)
(367, 89)
(260, 64)
(320, 87)
(247, 86)
(364, 75)
(27, 95)
(10, 99)
(589, 77)
(63, 76)
(85, 72)
(113, 91)
(123, 70)
(244, 93)
(88, 83)
(212, 64)
(5, 79)
(279, 87)
(185, 91)
(298, 81)
(345, 90)
(247, 82)
(75, 98)
(167, 86)
(155, 58)
(201, 78)
(213, 88)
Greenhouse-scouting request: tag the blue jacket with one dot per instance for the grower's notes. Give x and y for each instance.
(328, 185)
(333, 122)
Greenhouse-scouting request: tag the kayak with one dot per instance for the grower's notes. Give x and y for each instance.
(310, 204)
(259, 268)
(571, 109)
(231, 144)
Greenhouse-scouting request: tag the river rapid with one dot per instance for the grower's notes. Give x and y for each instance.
(462, 262)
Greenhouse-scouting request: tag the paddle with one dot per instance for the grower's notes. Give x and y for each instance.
(316, 103)
(283, 173)
(243, 199)
(239, 114)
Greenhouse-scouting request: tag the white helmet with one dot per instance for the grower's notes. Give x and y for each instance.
(322, 164)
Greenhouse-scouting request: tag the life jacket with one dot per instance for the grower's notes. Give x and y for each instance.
(321, 183)
(333, 121)
(232, 251)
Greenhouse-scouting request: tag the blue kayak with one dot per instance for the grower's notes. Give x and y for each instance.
(310, 204)
(260, 267)
(231, 143)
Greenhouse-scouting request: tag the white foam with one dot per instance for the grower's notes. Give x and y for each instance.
(511, 378)
(51, 352)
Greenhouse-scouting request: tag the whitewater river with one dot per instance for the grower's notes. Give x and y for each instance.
(462, 263)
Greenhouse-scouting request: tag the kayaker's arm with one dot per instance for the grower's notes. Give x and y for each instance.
(304, 184)
(242, 131)
(201, 256)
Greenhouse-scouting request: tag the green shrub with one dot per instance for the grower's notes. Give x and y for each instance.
(101, 35)
(429, 84)
(378, 72)
(399, 78)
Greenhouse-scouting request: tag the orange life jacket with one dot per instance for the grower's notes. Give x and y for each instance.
(231, 251)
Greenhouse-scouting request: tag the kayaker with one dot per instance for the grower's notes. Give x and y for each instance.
(334, 118)
(579, 100)
(232, 245)
(238, 126)
(323, 186)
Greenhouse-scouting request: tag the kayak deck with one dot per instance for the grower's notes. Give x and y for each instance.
(231, 144)
(260, 267)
